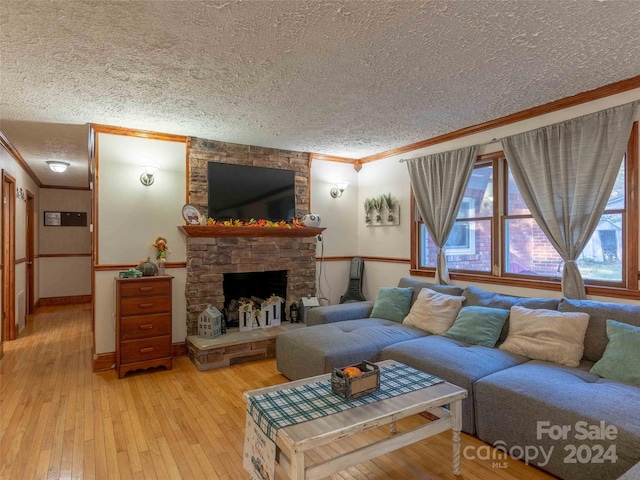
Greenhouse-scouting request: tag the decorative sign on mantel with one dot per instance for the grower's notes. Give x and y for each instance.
(269, 315)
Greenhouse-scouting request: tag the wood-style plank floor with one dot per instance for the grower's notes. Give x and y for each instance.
(58, 419)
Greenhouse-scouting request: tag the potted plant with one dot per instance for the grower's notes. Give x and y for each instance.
(390, 202)
(376, 205)
(368, 207)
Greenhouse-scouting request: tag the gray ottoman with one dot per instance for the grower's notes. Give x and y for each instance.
(315, 350)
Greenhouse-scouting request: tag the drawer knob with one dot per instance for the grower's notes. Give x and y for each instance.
(146, 350)
(145, 289)
(146, 305)
(146, 326)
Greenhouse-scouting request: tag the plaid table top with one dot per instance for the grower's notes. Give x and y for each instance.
(275, 410)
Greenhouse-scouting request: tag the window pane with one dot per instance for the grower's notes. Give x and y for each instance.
(478, 197)
(468, 246)
(617, 197)
(601, 258)
(528, 251)
(515, 204)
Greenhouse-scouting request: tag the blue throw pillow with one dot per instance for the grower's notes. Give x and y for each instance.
(621, 358)
(392, 303)
(478, 325)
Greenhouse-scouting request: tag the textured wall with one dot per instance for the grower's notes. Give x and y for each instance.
(67, 240)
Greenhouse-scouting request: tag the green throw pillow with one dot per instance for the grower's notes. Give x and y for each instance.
(478, 325)
(621, 358)
(392, 303)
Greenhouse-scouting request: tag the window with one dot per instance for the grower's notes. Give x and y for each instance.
(496, 240)
(528, 252)
(469, 246)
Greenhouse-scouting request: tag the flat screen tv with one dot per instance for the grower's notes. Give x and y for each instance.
(244, 192)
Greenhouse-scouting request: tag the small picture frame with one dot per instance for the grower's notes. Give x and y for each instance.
(52, 219)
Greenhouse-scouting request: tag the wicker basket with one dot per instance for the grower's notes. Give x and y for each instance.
(358, 386)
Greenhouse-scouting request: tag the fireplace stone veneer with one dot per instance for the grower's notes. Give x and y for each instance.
(210, 257)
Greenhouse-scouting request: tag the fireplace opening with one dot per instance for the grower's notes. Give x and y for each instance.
(251, 286)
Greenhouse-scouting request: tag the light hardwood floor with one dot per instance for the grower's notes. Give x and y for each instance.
(58, 419)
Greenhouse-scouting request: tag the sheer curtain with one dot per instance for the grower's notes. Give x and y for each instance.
(438, 183)
(565, 173)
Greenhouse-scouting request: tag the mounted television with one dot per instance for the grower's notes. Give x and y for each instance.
(244, 192)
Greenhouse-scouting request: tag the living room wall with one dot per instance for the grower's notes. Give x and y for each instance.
(389, 175)
(129, 218)
(130, 215)
(9, 165)
(340, 218)
(64, 251)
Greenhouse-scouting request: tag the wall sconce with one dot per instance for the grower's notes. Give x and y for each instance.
(147, 176)
(338, 189)
(20, 194)
(57, 166)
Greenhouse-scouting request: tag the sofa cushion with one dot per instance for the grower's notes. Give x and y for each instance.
(433, 312)
(621, 358)
(392, 303)
(477, 297)
(310, 351)
(547, 335)
(482, 298)
(595, 339)
(478, 325)
(517, 406)
(418, 285)
(457, 362)
(339, 313)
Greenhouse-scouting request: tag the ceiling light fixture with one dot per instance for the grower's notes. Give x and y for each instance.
(57, 166)
(338, 189)
(147, 175)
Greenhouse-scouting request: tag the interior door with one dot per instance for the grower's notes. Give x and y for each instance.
(30, 254)
(9, 329)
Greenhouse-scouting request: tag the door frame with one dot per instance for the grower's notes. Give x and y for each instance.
(30, 223)
(9, 329)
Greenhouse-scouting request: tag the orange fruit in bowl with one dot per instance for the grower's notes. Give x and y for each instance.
(352, 371)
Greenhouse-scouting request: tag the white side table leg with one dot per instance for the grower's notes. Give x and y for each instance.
(393, 427)
(456, 413)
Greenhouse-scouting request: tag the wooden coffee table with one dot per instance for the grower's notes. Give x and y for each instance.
(444, 400)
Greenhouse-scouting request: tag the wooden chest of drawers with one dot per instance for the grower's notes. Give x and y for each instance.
(143, 323)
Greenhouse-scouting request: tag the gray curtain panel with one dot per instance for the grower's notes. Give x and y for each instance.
(565, 173)
(438, 183)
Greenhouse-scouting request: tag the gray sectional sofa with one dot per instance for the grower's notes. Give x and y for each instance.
(514, 403)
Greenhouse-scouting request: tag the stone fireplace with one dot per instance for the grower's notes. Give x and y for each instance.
(213, 252)
(210, 257)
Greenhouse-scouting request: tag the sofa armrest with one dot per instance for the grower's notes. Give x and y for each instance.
(339, 313)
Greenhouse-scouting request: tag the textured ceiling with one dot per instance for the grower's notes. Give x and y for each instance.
(347, 78)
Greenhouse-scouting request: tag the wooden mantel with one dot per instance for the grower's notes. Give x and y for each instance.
(211, 231)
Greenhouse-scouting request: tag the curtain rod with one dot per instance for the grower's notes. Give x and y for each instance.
(493, 140)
